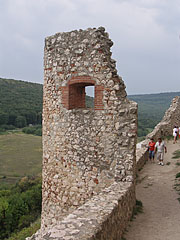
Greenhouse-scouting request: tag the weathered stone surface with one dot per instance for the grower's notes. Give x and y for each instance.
(86, 152)
(163, 129)
(104, 216)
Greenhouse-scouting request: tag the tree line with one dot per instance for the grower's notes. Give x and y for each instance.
(20, 104)
(20, 205)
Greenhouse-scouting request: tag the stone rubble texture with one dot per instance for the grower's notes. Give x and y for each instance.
(88, 154)
(162, 129)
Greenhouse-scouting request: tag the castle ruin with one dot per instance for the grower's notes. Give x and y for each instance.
(84, 150)
(89, 155)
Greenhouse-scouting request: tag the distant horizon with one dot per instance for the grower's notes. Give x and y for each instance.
(132, 94)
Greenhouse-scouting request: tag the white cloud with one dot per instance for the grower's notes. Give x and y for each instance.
(145, 35)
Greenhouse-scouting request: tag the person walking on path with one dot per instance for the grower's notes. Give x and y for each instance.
(175, 133)
(151, 148)
(160, 148)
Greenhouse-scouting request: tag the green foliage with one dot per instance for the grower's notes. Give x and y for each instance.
(20, 206)
(4, 117)
(89, 102)
(20, 99)
(26, 232)
(20, 122)
(35, 130)
(151, 109)
(24, 99)
(169, 137)
(137, 209)
(178, 175)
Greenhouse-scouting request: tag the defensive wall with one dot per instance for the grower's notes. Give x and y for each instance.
(89, 155)
(162, 129)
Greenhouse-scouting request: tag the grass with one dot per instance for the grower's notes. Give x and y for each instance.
(178, 175)
(20, 155)
(177, 185)
(26, 232)
(139, 139)
(169, 137)
(176, 154)
(137, 209)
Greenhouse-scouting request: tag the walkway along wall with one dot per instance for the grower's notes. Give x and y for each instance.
(92, 199)
(88, 154)
(163, 129)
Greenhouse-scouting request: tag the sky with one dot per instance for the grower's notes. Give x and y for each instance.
(146, 36)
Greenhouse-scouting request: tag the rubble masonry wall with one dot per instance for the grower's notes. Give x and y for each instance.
(84, 150)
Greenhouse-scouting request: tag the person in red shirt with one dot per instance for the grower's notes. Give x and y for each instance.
(151, 148)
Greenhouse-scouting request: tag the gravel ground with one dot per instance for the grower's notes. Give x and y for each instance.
(160, 219)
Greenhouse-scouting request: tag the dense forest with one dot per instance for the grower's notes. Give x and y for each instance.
(20, 205)
(21, 106)
(20, 103)
(151, 109)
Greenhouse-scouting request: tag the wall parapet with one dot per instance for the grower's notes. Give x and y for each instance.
(105, 216)
(88, 155)
(162, 129)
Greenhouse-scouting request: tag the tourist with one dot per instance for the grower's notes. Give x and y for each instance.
(175, 133)
(160, 148)
(151, 148)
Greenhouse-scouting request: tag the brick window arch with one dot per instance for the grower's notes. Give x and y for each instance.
(73, 95)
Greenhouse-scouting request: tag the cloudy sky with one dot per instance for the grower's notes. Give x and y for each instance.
(146, 36)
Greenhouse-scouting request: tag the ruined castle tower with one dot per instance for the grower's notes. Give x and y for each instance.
(84, 150)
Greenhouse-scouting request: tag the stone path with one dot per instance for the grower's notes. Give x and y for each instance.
(160, 219)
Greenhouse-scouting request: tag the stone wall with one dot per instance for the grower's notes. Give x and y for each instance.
(104, 216)
(84, 150)
(163, 129)
(89, 154)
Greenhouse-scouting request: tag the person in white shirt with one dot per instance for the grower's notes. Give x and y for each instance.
(160, 148)
(175, 133)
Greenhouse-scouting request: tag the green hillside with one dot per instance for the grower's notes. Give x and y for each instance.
(21, 105)
(20, 102)
(151, 109)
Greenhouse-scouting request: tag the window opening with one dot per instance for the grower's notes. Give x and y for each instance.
(89, 90)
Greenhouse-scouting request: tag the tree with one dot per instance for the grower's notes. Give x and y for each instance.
(4, 117)
(20, 122)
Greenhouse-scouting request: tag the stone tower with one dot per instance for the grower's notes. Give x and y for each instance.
(84, 150)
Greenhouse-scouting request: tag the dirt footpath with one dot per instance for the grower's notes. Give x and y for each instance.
(160, 219)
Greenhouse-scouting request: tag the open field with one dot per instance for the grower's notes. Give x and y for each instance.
(20, 155)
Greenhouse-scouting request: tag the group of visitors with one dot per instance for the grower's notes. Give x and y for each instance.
(158, 147)
(176, 133)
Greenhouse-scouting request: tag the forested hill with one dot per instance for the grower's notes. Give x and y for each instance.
(151, 109)
(20, 102)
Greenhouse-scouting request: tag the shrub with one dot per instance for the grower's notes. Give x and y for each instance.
(20, 205)
(38, 132)
(35, 130)
(26, 232)
(178, 175)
